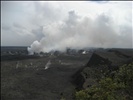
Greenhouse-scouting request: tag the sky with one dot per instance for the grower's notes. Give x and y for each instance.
(57, 25)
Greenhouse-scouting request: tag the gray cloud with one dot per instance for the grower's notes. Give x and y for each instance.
(5, 27)
(46, 13)
(17, 25)
(9, 39)
(56, 26)
(38, 32)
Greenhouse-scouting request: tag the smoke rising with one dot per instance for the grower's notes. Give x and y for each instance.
(48, 65)
(78, 32)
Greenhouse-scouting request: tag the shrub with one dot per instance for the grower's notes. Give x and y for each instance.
(120, 87)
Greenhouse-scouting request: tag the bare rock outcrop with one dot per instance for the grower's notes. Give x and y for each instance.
(101, 63)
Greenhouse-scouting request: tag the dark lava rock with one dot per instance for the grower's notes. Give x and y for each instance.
(101, 63)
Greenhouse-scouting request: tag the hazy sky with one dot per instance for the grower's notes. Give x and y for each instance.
(59, 24)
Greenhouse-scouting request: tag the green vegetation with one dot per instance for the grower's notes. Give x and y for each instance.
(118, 87)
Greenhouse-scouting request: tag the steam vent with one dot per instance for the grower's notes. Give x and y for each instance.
(56, 75)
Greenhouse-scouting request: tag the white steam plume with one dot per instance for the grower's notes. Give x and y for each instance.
(79, 32)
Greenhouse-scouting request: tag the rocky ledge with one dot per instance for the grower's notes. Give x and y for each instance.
(101, 63)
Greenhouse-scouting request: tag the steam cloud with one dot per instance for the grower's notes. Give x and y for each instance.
(78, 32)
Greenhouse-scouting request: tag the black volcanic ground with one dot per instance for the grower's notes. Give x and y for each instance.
(24, 77)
